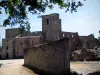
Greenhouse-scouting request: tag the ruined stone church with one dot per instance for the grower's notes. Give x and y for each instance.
(14, 43)
(48, 50)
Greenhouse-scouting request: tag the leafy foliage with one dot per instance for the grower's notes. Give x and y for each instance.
(16, 9)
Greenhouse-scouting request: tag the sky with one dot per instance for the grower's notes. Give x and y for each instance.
(85, 21)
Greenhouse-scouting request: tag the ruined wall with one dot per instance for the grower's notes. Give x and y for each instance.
(86, 54)
(12, 33)
(0, 52)
(19, 48)
(74, 36)
(14, 47)
(88, 41)
(52, 57)
(7, 48)
(75, 39)
(25, 42)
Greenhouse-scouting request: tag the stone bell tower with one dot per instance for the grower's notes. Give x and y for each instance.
(51, 27)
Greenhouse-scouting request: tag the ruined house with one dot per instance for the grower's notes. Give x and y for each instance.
(74, 36)
(86, 54)
(89, 42)
(13, 45)
(89, 49)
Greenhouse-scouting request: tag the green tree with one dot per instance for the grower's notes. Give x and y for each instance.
(16, 9)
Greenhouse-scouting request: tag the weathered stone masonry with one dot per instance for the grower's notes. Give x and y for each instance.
(0, 52)
(14, 47)
(51, 27)
(51, 57)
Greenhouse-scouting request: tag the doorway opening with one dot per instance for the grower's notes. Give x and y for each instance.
(7, 55)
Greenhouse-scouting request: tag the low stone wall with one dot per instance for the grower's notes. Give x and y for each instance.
(52, 57)
(86, 54)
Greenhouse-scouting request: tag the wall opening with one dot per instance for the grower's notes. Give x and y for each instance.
(7, 48)
(7, 55)
(32, 42)
(14, 56)
(21, 43)
(72, 36)
(47, 21)
(63, 35)
(57, 36)
(0, 56)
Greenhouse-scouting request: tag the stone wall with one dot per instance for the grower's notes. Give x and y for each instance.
(86, 54)
(75, 39)
(14, 47)
(7, 48)
(25, 42)
(52, 57)
(51, 27)
(0, 52)
(12, 33)
(88, 42)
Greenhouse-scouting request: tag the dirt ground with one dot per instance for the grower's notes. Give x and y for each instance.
(85, 67)
(14, 67)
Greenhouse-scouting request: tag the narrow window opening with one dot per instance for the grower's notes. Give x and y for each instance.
(72, 36)
(63, 35)
(0, 56)
(21, 43)
(7, 47)
(7, 55)
(47, 21)
(32, 43)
